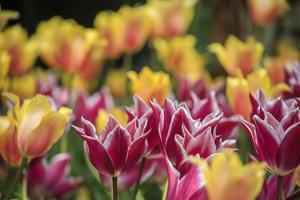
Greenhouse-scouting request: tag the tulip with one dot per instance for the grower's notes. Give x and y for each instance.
(239, 88)
(24, 86)
(136, 26)
(4, 62)
(238, 57)
(292, 71)
(274, 133)
(37, 117)
(22, 50)
(227, 178)
(169, 19)
(111, 27)
(6, 15)
(8, 141)
(180, 56)
(50, 180)
(88, 107)
(103, 116)
(264, 12)
(269, 190)
(116, 149)
(189, 186)
(116, 81)
(150, 85)
(67, 46)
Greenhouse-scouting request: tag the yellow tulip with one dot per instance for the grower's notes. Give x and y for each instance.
(24, 86)
(39, 124)
(110, 26)
(6, 15)
(22, 50)
(116, 82)
(264, 12)
(137, 28)
(239, 88)
(4, 67)
(8, 141)
(180, 56)
(103, 115)
(227, 178)
(238, 57)
(169, 18)
(150, 85)
(67, 46)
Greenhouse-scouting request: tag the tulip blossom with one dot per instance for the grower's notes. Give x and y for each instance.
(238, 57)
(103, 116)
(274, 133)
(292, 71)
(187, 187)
(67, 46)
(6, 15)
(136, 26)
(264, 12)
(50, 180)
(88, 107)
(37, 117)
(4, 63)
(21, 48)
(169, 19)
(111, 27)
(239, 88)
(180, 56)
(8, 137)
(150, 85)
(116, 149)
(227, 178)
(269, 190)
(24, 86)
(116, 81)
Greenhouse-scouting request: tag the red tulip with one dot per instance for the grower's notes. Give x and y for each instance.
(88, 107)
(274, 133)
(116, 149)
(188, 187)
(292, 76)
(50, 180)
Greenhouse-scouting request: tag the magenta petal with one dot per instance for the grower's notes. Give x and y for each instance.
(58, 169)
(140, 106)
(37, 168)
(117, 143)
(288, 155)
(99, 157)
(66, 187)
(110, 125)
(88, 127)
(136, 151)
(173, 176)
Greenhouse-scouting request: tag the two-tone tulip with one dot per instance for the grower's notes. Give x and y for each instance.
(274, 133)
(50, 180)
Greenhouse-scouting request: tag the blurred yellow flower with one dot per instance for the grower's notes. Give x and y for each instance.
(37, 118)
(4, 67)
(116, 82)
(227, 178)
(70, 47)
(22, 50)
(297, 175)
(137, 28)
(264, 12)
(110, 26)
(169, 18)
(24, 86)
(8, 146)
(239, 88)
(103, 115)
(6, 15)
(180, 56)
(150, 85)
(238, 57)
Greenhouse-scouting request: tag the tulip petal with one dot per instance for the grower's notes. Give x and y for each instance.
(117, 144)
(288, 155)
(44, 135)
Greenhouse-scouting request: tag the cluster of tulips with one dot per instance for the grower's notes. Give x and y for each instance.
(190, 135)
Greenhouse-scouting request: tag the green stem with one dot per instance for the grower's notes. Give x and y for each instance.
(24, 188)
(269, 38)
(18, 174)
(280, 192)
(127, 62)
(64, 143)
(114, 188)
(138, 181)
